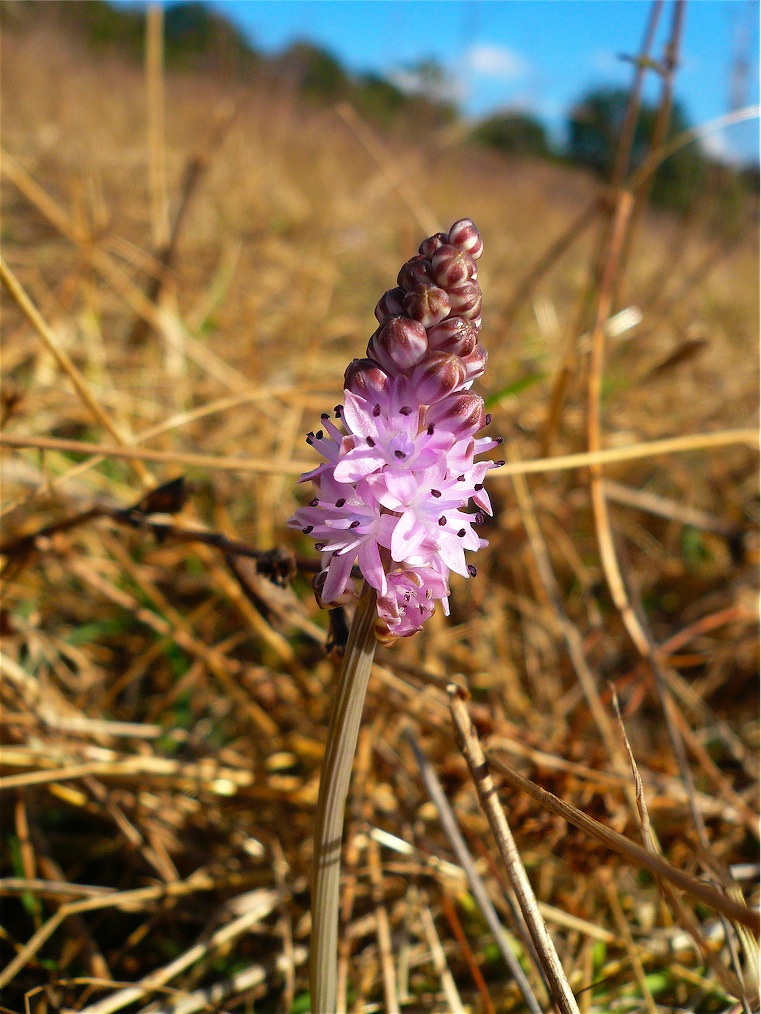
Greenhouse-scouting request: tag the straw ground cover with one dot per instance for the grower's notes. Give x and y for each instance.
(166, 683)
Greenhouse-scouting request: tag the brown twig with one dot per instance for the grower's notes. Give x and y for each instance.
(166, 250)
(263, 465)
(60, 355)
(467, 738)
(667, 69)
(457, 841)
(633, 854)
(623, 152)
(527, 284)
(561, 462)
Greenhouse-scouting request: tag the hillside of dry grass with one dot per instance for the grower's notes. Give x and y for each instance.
(165, 702)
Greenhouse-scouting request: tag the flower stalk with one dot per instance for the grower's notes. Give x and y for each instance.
(334, 787)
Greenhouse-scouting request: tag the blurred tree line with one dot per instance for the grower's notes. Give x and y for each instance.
(198, 38)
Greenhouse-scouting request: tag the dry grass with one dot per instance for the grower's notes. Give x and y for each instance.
(164, 705)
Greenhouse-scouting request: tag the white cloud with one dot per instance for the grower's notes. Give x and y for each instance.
(412, 82)
(496, 62)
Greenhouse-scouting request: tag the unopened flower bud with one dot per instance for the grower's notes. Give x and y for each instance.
(437, 376)
(474, 313)
(343, 598)
(364, 377)
(454, 335)
(462, 415)
(465, 299)
(389, 305)
(399, 345)
(475, 323)
(427, 303)
(475, 363)
(417, 271)
(429, 246)
(453, 266)
(465, 235)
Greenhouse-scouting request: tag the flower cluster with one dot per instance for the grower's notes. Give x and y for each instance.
(392, 494)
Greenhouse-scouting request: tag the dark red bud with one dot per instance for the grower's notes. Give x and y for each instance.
(474, 313)
(437, 376)
(475, 363)
(429, 246)
(428, 304)
(452, 266)
(465, 299)
(454, 335)
(465, 235)
(417, 271)
(462, 415)
(365, 378)
(399, 345)
(389, 305)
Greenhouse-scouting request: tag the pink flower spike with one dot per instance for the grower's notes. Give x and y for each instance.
(399, 472)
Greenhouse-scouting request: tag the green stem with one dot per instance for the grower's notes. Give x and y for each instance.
(334, 787)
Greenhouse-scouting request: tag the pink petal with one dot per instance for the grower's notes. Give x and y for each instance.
(357, 464)
(371, 566)
(407, 538)
(339, 572)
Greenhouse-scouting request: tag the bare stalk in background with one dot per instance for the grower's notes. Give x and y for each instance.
(479, 769)
(334, 787)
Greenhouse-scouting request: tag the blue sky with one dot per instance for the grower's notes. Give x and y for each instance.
(536, 55)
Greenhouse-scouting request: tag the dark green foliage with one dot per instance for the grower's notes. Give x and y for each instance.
(379, 100)
(97, 22)
(196, 36)
(513, 134)
(594, 127)
(314, 71)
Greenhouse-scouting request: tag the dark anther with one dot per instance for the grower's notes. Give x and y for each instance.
(500, 440)
(499, 464)
(487, 419)
(370, 442)
(308, 529)
(341, 502)
(338, 410)
(436, 493)
(324, 416)
(461, 478)
(461, 533)
(405, 410)
(430, 430)
(313, 503)
(442, 521)
(310, 438)
(376, 410)
(472, 570)
(319, 435)
(400, 455)
(319, 546)
(478, 487)
(354, 524)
